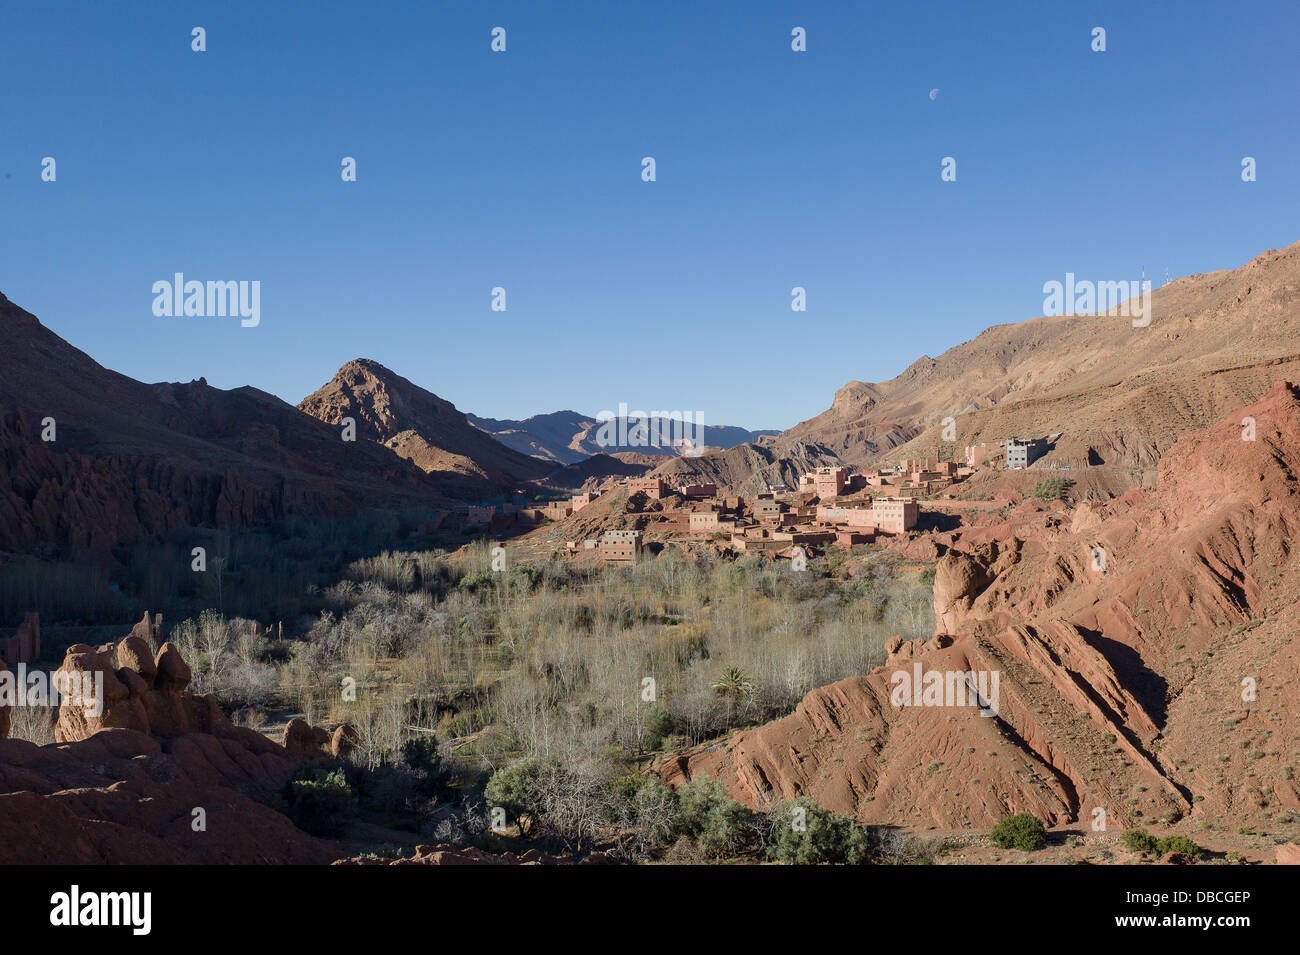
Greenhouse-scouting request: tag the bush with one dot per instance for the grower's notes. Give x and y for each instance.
(1139, 840)
(517, 789)
(1050, 489)
(645, 808)
(715, 820)
(420, 753)
(1180, 844)
(477, 581)
(320, 800)
(658, 728)
(803, 833)
(1021, 831)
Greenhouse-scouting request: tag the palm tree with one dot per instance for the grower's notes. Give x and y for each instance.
(733, 682)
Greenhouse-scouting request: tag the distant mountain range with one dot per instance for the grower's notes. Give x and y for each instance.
(568, 437)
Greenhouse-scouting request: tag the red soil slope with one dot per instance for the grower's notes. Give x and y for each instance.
(1124, 685)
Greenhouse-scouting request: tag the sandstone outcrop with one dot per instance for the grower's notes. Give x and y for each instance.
(149, 773)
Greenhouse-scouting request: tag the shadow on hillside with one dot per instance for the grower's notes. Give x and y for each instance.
(1147, 687)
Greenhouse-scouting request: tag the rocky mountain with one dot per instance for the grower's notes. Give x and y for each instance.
(422, 428)
(1118, 394)
(94, 458)
(551, 437)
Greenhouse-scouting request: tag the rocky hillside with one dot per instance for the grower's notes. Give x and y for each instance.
(130, 459)
(1119, 395)
(1145, 651)
(748, 468)
(422, 428)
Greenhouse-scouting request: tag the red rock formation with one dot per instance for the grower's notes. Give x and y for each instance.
(1151, 677)
(158, 775)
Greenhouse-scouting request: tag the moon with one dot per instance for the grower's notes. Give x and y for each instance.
(934, 92)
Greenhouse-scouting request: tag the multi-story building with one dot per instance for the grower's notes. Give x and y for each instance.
(1022, 453)
(478, 515)
(703, 522)
(559, 510)
(895, 515)
(830, 482)
(621, 545)
(653, 488)
(976, 455)
(890, 515)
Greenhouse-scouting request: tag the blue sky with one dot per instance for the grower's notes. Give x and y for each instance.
(523, 170)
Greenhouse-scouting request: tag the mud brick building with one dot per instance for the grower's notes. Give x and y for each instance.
(653, 488)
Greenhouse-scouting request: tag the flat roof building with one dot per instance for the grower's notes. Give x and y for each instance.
(1022, 453)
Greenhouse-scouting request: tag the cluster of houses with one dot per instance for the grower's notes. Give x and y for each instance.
(830, 505)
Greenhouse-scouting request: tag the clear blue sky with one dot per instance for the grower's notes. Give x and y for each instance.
(523, 170)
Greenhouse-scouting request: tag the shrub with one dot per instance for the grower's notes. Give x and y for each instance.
(420, 753)
(517, 789)
(320, 800)
(715, 820)
(803, 833)
(1021, 831)
(1180, 844)
(658, 728)
(1139, 840)
(656, 814)
(1050, 489)
(479, 580)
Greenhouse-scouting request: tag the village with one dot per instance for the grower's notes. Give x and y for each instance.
(831, 506)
